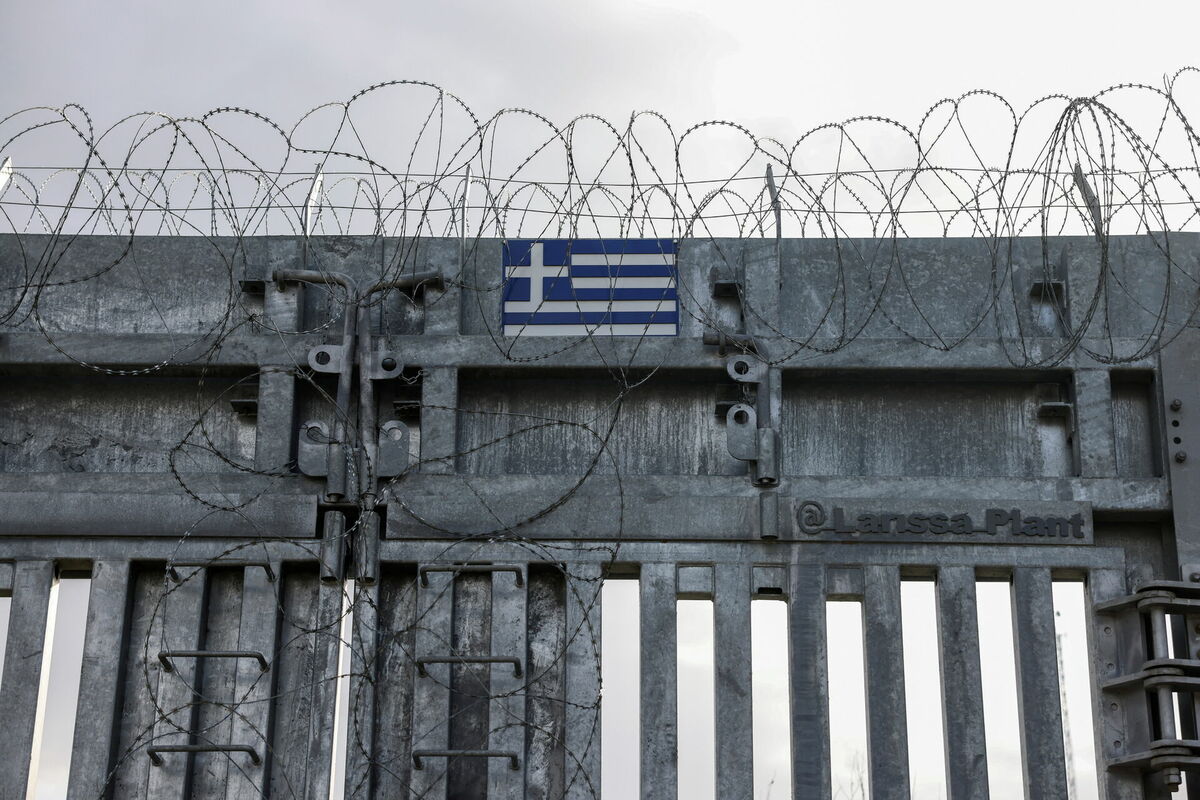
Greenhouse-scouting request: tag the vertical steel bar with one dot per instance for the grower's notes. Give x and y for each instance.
(323, 691)
(810, 686)
(507, 714)
(182, 610)
(23, 655)
(887, 731)
(431, 704)
(962, 684)
(439, 419)
(275, 425)
(659, 714)
(583, 681)
(1115, 649)
(734, 701)
(98, 710)
(360, 712)
(254, 688)
(1094, 422)
(1037, 683)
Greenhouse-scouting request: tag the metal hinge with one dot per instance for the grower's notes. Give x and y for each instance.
(1140, 694)
(750, 429)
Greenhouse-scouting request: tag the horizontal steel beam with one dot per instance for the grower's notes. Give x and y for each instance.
(250, 351)
(131, 514)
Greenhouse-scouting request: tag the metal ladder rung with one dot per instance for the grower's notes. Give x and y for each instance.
(164, 656)
(471, 568)
(422, 661)
(157, 761)
(513, 764)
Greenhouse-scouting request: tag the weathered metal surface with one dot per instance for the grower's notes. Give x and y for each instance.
(887, 735)
(97, 714)
(394, 676)
(807, 649)
(156, 513)
(508, 709)
(104, 424)
(1116, 649)
(1037, 681)
(734, 694)
(1181, 401)
(258, 628)
(175, 702)
(582, 677)
(431, 704)
(470, 685)
(217, 684)
(361, 709)
(659, 724)
(1138, 449)
(919, 429)
(927, 410)
(541, 425)
(547, 649)
(962, 684)
(304, 666)
(20, 685)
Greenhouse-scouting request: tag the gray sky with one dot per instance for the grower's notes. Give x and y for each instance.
(779, 68)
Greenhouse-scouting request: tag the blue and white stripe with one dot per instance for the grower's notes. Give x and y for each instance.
(604, 287)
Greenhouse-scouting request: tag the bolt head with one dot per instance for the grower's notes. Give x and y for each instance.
(322, 357)
(1194, 577)
(1181, 456)
(1176, 404)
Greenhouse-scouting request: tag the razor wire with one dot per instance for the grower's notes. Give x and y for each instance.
(406, 161)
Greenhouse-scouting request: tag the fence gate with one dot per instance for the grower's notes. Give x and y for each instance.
(297, 453)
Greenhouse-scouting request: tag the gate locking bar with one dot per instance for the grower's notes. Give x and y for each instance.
(377, 448)
(514, 761)
(164, 656)
(157, 761)
(423, 660)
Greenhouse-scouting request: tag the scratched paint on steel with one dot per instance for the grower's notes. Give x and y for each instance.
(891, 416)
(920, 429)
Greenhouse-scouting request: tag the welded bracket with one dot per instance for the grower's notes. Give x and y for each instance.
(750, 429)
(314, 441)
(326, 358)
(725, 282)
(312, 449)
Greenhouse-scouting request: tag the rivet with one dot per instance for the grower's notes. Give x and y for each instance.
(322, 357)
(1108, 666)
(1194, 577)
(388, 363)
(1113, 706)
(1181, 456)
(1107, 630)
(1176, 404)
(1117, 743)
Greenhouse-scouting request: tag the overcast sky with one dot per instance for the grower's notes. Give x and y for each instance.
(779, 68)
